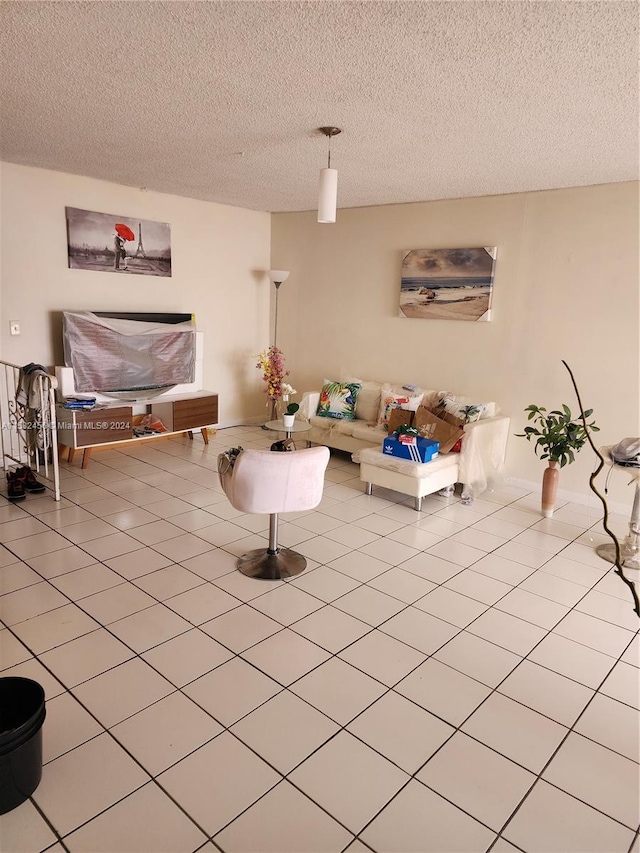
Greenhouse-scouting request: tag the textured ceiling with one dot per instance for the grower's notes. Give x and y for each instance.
(220, 100)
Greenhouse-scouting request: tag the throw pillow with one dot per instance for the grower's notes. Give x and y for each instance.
(390, 400)
(467, 412)
(338, 400)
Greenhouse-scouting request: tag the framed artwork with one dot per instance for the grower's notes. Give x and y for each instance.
(109, 243)
(447, 284)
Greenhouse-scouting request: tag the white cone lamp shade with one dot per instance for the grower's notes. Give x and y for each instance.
(328, 195)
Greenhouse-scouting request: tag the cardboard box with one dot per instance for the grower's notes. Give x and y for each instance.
(415, 449)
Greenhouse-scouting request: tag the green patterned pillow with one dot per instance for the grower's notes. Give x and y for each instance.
(338, 400)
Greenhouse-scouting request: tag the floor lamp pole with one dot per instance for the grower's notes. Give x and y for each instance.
(277, 277)
(275, 327)
(273, 414)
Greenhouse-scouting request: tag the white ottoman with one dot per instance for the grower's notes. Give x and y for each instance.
(411, 478)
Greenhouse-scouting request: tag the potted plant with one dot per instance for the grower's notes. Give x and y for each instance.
(558, 436)
(289, 416)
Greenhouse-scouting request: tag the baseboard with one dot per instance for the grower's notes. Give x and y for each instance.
(256, 420)
(573, 497)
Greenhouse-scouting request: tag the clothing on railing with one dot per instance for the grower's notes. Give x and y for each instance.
(28, 391)
(28, 437)
(32, 404)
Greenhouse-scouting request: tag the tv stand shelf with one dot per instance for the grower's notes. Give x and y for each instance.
(112, 425)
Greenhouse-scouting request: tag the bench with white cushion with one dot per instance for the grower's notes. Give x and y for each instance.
(416, 479)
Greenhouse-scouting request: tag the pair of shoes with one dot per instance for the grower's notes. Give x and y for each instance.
(26, 475)
(15, 487)
(20, 481)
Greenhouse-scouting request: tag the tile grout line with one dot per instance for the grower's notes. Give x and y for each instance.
(327, 604)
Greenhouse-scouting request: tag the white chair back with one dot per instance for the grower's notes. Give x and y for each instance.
(264, 481)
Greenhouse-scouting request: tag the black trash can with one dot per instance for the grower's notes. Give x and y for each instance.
(22, 713)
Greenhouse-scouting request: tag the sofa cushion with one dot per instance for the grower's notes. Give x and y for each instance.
(419, 470)
(368, 402)
(369, 432)
(338, 400)
(341, 426)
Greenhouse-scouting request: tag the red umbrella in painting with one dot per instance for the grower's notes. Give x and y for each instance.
(125, 232)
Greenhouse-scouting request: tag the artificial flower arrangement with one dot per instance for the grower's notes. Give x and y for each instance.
(271, 362)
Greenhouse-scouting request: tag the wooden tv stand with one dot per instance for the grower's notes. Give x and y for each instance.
(112, 425)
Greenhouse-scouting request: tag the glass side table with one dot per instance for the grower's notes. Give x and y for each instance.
(298, 426)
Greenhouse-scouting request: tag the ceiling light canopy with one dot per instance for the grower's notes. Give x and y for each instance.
(328, 194)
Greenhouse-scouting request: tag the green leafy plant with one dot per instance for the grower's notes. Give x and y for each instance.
(292, 408)
(405, 429)
(557, 434)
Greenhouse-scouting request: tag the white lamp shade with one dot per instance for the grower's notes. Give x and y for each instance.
(328, 196)
(278, 275)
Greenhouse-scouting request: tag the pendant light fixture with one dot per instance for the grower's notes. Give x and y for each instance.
(328, 195)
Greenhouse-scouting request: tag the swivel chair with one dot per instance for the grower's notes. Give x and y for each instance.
(263, 481)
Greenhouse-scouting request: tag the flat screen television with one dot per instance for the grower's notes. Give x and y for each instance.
(129, 355)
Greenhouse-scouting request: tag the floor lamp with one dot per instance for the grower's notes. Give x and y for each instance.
(277, 277)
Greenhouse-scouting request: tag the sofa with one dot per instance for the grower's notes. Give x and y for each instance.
(480, 459)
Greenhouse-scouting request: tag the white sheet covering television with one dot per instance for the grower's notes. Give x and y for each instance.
(119, 358)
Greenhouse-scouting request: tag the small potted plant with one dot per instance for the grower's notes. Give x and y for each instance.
(289, 414)
(558, 437)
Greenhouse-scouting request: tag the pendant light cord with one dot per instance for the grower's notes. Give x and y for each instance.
(329, 132)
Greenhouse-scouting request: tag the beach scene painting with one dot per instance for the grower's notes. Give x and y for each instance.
(447, 284)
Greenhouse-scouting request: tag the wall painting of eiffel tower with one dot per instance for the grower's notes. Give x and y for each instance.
(106, 242)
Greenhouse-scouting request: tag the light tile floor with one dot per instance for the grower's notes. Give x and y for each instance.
(459, 679)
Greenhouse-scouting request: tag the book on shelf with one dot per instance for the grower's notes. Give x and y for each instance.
(79, 403)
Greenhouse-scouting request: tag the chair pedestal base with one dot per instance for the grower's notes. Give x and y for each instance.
(629, 553)
(630, 548)
(259, 563)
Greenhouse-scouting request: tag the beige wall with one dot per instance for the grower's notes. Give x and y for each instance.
(566, 287)
(219, 254)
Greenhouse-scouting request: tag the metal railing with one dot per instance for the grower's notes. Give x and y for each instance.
(28, 422)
